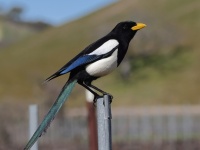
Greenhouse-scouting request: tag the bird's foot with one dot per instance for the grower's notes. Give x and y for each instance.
(96, 96)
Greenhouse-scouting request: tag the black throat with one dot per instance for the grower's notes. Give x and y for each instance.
(124, 41)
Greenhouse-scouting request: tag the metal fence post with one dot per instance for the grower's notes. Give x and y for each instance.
(33, 123)
(104, 123)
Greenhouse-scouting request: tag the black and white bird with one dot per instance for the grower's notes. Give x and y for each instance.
(101, 57)
(98, 59)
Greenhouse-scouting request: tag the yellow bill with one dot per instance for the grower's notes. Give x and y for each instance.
(138, 26)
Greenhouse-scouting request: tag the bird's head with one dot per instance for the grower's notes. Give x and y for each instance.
(127, 29)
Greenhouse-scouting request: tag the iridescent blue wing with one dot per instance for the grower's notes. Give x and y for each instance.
(81, 61)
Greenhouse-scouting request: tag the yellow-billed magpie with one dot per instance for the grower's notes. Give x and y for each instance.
(101, 57)
(95, 61)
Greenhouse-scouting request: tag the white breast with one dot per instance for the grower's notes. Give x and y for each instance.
(104, 66)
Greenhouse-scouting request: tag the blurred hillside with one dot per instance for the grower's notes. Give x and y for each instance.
(162, 66)
(13, 29)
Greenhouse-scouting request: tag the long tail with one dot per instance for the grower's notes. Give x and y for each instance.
(64, 94)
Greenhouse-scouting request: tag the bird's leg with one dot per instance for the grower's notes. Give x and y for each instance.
(101, 91)
(89, 89)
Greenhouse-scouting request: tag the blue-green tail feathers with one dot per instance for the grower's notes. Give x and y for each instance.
(64, 94)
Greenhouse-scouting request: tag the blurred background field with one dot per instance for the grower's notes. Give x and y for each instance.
(162, 69)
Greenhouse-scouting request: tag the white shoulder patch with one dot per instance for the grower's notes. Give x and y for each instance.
(105, 48)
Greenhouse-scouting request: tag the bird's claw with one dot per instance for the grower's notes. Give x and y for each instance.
(96, 96)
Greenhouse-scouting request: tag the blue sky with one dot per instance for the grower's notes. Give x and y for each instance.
(55, 12)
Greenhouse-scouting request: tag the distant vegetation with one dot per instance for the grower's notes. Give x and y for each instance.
(13, 28)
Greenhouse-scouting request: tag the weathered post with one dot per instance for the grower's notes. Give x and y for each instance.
(104, 123)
